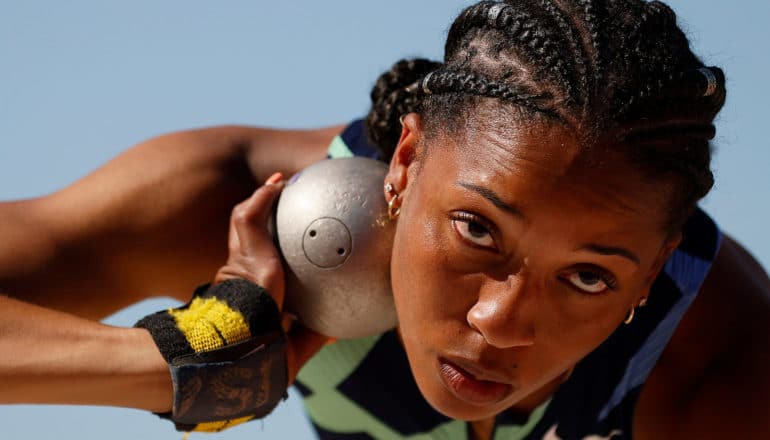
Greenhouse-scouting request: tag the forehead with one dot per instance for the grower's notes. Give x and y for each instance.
(491, 147)
(545, 164)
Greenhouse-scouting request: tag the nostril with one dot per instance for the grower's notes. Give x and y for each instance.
(470, 319)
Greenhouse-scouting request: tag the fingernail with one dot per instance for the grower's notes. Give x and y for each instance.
(275, 178)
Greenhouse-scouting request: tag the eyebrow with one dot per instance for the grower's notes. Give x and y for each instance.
(494, 198)
(609, 250)
(513, 209)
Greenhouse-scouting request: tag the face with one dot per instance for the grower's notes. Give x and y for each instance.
(513, 259)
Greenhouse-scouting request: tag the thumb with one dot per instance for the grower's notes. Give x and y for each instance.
(250, 217)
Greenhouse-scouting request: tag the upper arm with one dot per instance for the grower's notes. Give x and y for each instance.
(712, 380)
(152, 221)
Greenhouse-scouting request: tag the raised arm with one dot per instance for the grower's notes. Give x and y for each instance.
(55, 357)
(153, 221)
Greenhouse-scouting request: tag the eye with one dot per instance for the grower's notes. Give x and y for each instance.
(591, 281)
(473, 229)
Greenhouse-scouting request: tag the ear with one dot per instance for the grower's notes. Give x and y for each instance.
(668, 248)
(403, 164)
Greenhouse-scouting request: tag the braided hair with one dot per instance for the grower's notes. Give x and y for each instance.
(598, 66)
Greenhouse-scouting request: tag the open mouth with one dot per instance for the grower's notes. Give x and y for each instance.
(467, 387)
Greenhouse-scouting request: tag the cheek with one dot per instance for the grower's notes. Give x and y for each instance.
(569, 327)
(566, 341)
(432, 298)
(435, 285)
(419, 254)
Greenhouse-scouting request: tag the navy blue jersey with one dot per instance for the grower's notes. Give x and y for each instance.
(363, 388)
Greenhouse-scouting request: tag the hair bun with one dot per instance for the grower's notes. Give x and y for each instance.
(391, 100)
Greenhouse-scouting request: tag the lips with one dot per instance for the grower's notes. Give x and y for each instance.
(467, 387)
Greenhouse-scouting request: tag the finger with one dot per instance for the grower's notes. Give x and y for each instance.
(303, 343)
(250, 217)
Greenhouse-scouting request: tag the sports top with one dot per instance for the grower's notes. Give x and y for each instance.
(363, 388)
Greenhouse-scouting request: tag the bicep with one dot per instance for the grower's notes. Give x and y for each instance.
(152, 221)
(711, 381)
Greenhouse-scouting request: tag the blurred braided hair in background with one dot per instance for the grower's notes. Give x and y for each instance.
(617, 70)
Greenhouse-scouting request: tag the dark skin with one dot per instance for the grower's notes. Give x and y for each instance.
(164, 207)
(159, 219)
(523, 296)
(161, 207)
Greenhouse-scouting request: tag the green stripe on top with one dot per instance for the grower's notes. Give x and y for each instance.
(334, 411)
(335, 362)
(338, 149)
(339, 414)
(520, 432)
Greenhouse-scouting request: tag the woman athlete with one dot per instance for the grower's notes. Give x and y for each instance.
(552, 274)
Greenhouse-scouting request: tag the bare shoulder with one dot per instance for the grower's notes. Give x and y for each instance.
(712, 381)
(191, 167)
(266, 149)
(287, 150)
(151, 221)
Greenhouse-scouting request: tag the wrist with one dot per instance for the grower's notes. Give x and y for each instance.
(147, 371)
(226, 355)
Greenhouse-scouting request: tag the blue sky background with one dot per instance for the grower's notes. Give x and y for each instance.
(82, 80)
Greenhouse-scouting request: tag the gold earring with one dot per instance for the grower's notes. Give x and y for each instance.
(630, 316)
(393, 209)
(401, 120)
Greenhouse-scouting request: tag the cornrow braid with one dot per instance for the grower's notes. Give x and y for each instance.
(658, 52)
(600, 67)
(541, 46)
(533, 33)
(390, 101)
(444, 81)
(593, 19)
(578, 52)
(658, 71)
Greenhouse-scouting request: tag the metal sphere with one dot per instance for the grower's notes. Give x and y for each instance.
(332, 229)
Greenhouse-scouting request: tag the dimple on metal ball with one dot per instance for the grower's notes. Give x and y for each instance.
(332, 229)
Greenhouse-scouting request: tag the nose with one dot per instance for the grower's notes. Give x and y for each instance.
(505, 312)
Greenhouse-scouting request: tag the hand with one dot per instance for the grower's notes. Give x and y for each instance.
(253, 256)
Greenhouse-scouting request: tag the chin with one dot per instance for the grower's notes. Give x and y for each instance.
(454, 408)
(440, 396)
(453, 391)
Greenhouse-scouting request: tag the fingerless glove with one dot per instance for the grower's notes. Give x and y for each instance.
(226, 352)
